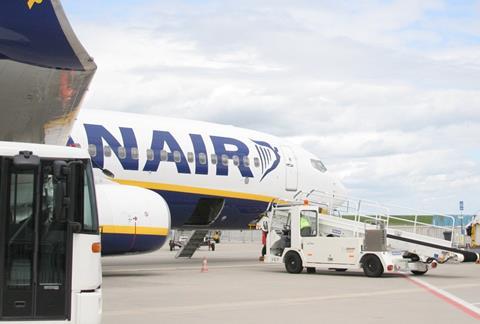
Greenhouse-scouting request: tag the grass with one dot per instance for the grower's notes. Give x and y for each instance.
(398, 220)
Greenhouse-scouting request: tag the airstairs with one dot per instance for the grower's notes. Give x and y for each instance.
(192, 244)
(414, 231)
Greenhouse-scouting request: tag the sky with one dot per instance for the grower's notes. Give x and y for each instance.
(386, 93)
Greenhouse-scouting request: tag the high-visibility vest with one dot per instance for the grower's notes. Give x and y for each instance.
(304, 222)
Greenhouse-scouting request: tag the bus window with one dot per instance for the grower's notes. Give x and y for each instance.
(89, 207)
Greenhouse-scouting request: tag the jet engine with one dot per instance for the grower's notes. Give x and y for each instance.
(132, 219)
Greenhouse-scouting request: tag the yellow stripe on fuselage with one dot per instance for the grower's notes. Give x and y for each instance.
(196, 190)
(139, 230)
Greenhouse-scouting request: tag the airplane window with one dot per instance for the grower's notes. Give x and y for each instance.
(149, 155)
(176, 156)
(236, 160)
(134, 151)
(317, 164)
(202, 158)
(190, 157)
(214, 158)
(107, 151)
(225, 159)
(246, 161)
(92, 150)
(122, 152)
(256, 161)
(163, 155)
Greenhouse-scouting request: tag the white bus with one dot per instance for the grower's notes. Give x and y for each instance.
(49, 239)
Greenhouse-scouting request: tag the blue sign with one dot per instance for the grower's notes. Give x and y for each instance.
(461, 205)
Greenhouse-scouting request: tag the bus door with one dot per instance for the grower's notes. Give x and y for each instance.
(35, 242)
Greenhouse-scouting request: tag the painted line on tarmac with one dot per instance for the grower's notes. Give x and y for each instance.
(453, 300)
(106, 271)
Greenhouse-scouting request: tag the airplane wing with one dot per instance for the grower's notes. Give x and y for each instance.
(44, 72)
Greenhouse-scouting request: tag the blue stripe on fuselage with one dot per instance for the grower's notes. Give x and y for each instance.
(115, 244)
(236, 213)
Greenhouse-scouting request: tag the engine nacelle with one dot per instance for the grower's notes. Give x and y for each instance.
(132, 219)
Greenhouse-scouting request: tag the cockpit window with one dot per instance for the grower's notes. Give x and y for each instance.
(317, 164)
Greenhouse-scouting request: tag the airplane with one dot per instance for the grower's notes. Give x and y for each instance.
(210, 176)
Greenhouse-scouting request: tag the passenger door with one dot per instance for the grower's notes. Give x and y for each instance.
(291, 170)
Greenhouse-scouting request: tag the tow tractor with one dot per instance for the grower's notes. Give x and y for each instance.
(301, 236)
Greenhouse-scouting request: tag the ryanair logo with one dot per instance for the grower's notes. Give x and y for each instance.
(269, 157)
(31, 3)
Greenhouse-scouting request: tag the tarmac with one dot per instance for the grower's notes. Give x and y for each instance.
(237, 288)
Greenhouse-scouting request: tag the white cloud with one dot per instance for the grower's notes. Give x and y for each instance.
(387, 93)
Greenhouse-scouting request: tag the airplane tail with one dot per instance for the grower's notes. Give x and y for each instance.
(37, 32)
(44, 72)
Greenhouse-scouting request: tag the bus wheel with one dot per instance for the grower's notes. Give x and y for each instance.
(372, 266)
(293, 262)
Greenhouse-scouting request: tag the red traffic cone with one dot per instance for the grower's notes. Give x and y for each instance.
(204, 265)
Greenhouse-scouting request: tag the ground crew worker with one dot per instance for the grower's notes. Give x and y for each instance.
(305, 227)
(264, 243)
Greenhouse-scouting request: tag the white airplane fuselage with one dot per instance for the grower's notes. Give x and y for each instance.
(210, 175)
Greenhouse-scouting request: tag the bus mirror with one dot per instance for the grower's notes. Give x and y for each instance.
(25, 160)
(75, 191)
(60, 170)
(60, 200)
(75, 226)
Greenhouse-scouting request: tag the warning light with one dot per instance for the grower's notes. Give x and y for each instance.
(306, 202)
(390, 267)
(96, 247)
